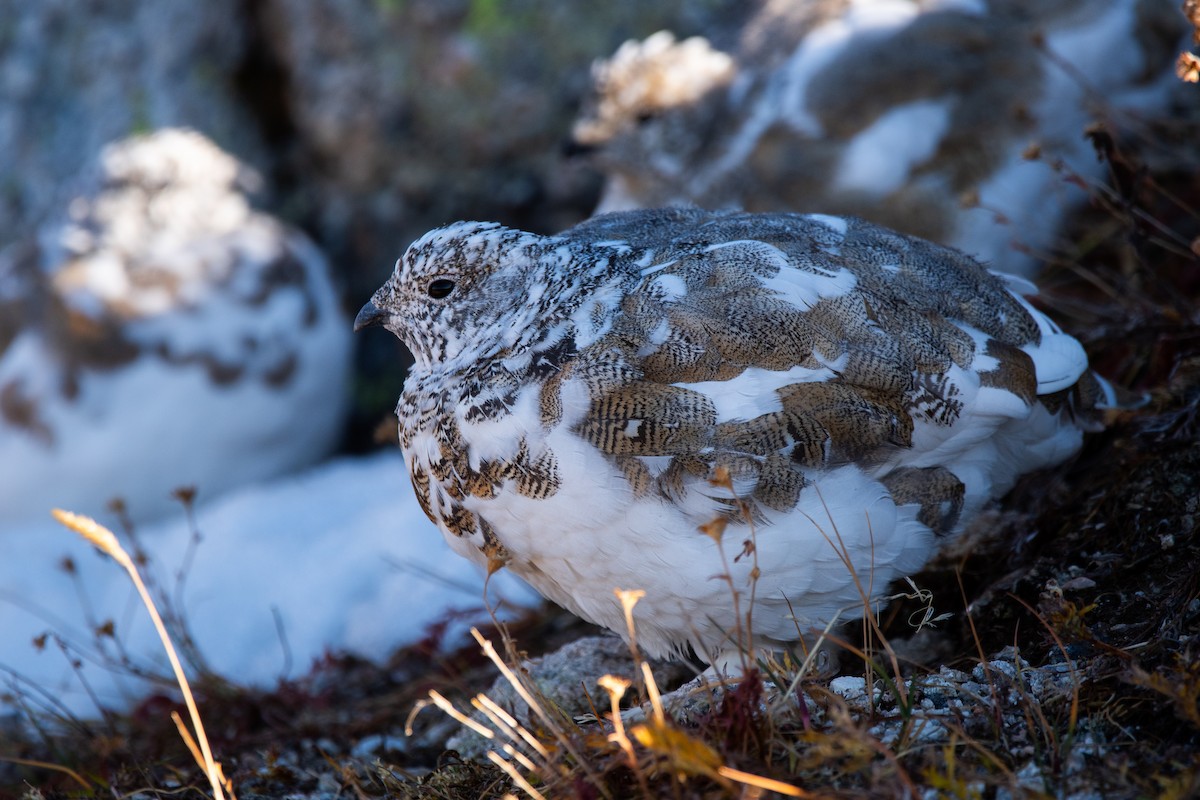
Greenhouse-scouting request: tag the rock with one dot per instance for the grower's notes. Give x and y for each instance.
(851, 688)
(960, 121)
(562, 682)
(411, 115)
(161, 333)
(76, 76)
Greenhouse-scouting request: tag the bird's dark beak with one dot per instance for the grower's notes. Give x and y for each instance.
(369, 315)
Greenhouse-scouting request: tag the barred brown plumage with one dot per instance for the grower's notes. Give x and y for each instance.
(581, 403)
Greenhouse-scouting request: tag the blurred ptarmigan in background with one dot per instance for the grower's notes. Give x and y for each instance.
(162, 333)
(827, 399)
(960, 121)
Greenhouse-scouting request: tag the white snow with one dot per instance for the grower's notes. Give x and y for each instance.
(882, 158)
(1102, 80)
(342, 556)
(823, 45)
(207, 346)
(786, 95)
(143, 430)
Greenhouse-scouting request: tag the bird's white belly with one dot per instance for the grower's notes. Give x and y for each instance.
(593, 536)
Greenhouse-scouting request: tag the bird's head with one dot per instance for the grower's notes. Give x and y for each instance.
(465, 292)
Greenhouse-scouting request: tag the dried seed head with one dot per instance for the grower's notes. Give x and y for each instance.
(91, 530)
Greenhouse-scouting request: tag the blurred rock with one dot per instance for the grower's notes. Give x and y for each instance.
(76, 76)
(161, 333)
(960, 121)
(410, 115)
(564, 685)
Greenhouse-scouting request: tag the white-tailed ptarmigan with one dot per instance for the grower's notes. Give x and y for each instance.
(577, 399)
(960, 121)
(163, 333)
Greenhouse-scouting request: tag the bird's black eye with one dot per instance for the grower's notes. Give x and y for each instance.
(440, 288)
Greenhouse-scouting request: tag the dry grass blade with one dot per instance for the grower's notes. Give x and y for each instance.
(652, 691)
(459, 717)
(759, 782)
(1062, 648)
(616, 686)
(629, 598)
(685, 754)
(30, 762)
(508, 725)
(551, 725)
(104, 539)
(866, 595)
(517, 778)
